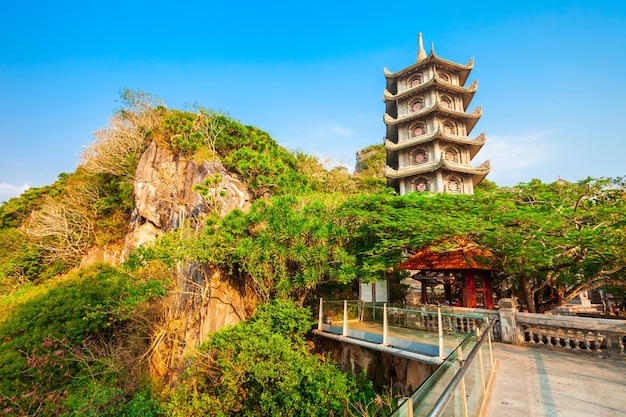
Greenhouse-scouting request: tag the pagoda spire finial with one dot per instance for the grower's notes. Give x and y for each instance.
(421, 53)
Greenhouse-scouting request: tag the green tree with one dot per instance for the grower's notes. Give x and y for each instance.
(370, 161)
(285, 245)
(557, 239)
(212, 194)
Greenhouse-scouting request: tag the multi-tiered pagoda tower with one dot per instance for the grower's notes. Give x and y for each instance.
(428, 148)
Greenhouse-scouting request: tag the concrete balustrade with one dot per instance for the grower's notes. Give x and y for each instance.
(606, 336)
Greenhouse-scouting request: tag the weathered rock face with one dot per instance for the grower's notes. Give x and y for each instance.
(355, 359)
(382, 368)
(164, 195)
(205, 301)
(109, 255)
(202, 299)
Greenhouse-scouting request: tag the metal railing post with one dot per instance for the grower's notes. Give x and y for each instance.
(463, 396)
(345, 318)
(480, 361)
(489, 342)
(385, 326)
(320, 317)
(440, 324)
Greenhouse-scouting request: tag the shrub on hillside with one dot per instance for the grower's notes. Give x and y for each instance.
(262, 367)
(58, 351)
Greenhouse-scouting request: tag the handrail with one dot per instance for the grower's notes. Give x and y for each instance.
(436, 316)
(446, 395)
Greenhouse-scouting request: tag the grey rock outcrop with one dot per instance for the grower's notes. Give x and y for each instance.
(164, 195)
(202, 298)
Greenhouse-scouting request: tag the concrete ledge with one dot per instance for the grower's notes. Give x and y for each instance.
(432, 360)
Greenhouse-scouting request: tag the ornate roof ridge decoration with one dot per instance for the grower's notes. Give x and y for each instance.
(431, 59)
(435, 82)
(421, 53)
(469, 65)
(437, 106)
(478, 141)
(478, 111)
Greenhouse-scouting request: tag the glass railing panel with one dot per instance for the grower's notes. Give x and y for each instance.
(428, 393)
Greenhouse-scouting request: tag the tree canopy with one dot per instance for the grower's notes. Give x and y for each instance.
(549, 239)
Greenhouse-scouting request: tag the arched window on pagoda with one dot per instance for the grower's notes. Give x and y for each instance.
(451, 154)
(418, 156)
(454, 185)
(415, 81)
(417, 130)
(449, 127)
(420, 184)
(444, 76)
(416, 104)
(447, 101)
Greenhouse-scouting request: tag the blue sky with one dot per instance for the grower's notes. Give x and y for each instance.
(551, 75)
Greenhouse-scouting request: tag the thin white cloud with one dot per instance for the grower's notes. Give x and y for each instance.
(341, 131)
(513, 156)
(8, 191)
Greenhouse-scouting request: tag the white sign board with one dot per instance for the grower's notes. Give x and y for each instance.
(369, 290)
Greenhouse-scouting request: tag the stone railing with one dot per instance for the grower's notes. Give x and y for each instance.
(593, 335)
(493, 315)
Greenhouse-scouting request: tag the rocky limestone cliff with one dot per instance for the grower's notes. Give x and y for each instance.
(164, 195)
(164, 199)
(202, 299)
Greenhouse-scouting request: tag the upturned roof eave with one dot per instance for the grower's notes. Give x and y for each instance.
(463, 70)
(471, 118)
(474, 144)
(482, 169)
(431, 166)
(466, 92)
(413, 170)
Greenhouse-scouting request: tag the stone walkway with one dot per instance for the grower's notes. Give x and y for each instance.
(543, 382)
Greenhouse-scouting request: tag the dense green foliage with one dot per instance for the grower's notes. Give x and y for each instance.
(557, 239)
(250, 370)
(285, 246)
(370, 161)
(58, 352)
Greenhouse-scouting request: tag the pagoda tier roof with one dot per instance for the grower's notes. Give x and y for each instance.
(477, 173)
(474, 144)
(462, 255)
(433, 59)
(466, 92)
(470, 118)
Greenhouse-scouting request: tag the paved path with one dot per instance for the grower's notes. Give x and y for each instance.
(543, 382)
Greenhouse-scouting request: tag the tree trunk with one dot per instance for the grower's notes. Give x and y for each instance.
(529, 294)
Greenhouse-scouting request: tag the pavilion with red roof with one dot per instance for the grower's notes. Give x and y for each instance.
(464, 269)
